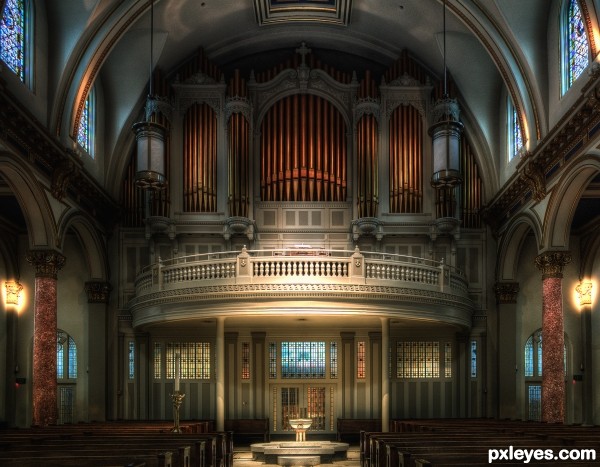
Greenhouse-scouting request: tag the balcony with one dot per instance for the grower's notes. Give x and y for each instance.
(297, 280)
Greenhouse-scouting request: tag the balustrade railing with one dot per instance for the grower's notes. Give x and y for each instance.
(299, 266)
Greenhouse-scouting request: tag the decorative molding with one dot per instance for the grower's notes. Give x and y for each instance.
(47, 263)
(407, 98)
(270, 12)
(367, 106)
(64, 172)
(552, 263)
(237, 104)
(405, 80)
(535, 178)
(506, 292)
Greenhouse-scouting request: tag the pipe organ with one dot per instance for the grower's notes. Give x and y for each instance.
(406, 160)
(303, 151)
(238, 131)
(303, 132)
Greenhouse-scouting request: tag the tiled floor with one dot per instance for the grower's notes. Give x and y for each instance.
(242, 457)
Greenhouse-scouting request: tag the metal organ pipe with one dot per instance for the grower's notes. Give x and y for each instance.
(303, 151)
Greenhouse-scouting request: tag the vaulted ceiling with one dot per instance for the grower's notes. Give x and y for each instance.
(494, 49)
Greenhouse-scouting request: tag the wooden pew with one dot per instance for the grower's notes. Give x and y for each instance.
(245, 428)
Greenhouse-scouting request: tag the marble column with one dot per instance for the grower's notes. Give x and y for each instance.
(507, 354)
(47, 263)
(220, 376)
(385, 374)
(551, 264)
(98, 293)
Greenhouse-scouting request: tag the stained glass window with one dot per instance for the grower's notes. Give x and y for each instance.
(361, 367)
(576, 53)
(66, 356)
(12, 36)
(535, 402)
(473, 359)
(448, 360)
(195, 360)
(333, 360)
(272, 360)
(418, 359)
(245, 360)
(131, 360)
(515, 134)
(303, 359)
(86, 128)
(157, 360)
(533, 355)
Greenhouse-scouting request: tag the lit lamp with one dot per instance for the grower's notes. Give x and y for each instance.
(584, 293)
(13, 292)
(150, 136)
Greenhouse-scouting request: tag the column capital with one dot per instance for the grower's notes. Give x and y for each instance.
(47, 263)
(551, 263)
(98, 291)
(506, 292)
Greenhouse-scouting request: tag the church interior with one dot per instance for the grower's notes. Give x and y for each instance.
(331, 210)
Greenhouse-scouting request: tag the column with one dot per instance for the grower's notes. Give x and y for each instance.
(47, 263)
(98, 293)
(385, 374)
(348, 372)
(220, 376)
(551, 264)
(507, 360)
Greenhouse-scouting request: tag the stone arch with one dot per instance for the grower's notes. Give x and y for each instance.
(564, 200)
(91, 242)
(511, 243)
(33, 201)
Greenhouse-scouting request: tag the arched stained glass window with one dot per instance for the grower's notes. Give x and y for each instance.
(515, 135)
(66, 356)
(576, 56)
(13, 27)
(533, 355)
(86, 128)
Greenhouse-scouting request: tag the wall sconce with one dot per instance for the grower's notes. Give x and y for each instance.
(13, 292)
(584, 293)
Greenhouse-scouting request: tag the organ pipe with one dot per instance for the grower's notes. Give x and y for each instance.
(303, 151)
(367, 183)
(406, 160)
(199, 159)
(472, 188)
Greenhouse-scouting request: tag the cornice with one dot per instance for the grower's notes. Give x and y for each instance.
(569, 138)
(60, 166)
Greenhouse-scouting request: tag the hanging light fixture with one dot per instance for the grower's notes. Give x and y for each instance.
(445, 132)
(150, 136)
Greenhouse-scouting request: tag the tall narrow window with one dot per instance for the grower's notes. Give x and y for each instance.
(361, 365)
(448, 360)
(87, 127)
(66, 356)
(575, 45)
(473, 359)
(333, 360)
(157, 360)
(13, 28)
(131, 360)
(272, 360)
(515, 134)
(245, 360)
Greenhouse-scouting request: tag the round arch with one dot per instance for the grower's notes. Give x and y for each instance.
(564, 200)
(511, 243)
(92, 244)
(33, 201)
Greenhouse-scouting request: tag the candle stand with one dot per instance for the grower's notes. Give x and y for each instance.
(177, 397)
